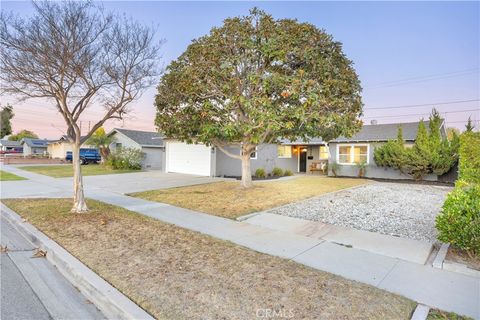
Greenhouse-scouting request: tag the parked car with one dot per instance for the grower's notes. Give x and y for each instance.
(87, 155)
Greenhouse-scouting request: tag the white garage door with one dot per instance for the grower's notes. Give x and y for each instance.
(188, 158)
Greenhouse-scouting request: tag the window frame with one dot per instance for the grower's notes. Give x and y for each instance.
(320, 152)
(352, 152)
(253, 152)
(285, 157)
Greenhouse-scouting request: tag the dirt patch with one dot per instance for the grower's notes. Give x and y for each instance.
(460, 256)
(228, 199)
(174, 273)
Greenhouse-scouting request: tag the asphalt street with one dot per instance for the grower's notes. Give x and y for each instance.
(32, 288)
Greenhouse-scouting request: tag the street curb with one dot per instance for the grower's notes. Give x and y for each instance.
(111, 302)
(421, 312)
(442, 253)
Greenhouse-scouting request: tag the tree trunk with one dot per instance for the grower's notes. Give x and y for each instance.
(79, 204)
(246, 174)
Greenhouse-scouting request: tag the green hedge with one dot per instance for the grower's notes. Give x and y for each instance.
(459, 221)
(469, 157)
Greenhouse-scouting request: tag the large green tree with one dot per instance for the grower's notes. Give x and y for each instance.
(256, 80)
(6, 115)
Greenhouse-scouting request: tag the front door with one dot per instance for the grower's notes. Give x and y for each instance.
(303, 160)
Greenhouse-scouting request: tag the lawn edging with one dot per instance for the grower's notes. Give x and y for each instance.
(421, 312)
(110, 301)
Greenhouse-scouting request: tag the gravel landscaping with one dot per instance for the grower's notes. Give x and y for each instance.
(404, 210)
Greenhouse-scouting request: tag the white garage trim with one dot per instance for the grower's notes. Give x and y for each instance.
(188, 158)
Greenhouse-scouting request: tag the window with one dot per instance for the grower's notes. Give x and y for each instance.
(253, 155)
(323, 152)
(352, 154)
(284, 151)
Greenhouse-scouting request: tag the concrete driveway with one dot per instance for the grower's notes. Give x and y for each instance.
(119, 183)
(143, 181)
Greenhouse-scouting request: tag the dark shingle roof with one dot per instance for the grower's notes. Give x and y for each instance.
(143, 138)
(312, 141)
(383, 132)
(37, 143)
(10, 143)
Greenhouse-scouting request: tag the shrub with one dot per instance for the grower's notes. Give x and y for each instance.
(277, 172)
(334, 167)
(125, 159)
(469, 157)
(431, 152)
(459, 220)
(260, 173)
(288, 173)
(362, 168)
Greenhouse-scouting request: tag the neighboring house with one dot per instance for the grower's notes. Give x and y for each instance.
(34, 146)
(151, 144)
(347, 152)
(58, 149)
(7, 146)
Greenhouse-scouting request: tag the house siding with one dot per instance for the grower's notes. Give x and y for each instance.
(372, 170)
(58, 150)
(154, 156)
(267, 158)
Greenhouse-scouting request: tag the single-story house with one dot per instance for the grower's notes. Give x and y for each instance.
(151, 144)
(308, 157)
(58, 149)
(298, 156)
(34, 146)
(347, 152)
(7, 146)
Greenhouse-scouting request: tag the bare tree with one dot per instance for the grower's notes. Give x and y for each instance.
(76, 55)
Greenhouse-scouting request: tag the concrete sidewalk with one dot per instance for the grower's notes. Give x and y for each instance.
(433, 287)
(390, 246)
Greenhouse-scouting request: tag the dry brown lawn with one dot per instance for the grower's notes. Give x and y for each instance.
(227, 199)
(174, 273)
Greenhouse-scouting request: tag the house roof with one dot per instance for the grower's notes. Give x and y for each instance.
(143, 138)
(37, 143)
(384, 132)
(312, 141)
(63, 138)
(10, 143)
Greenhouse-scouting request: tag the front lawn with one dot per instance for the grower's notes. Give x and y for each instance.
(62, 171)
(175, 273)
(228, 200)
(7, 176)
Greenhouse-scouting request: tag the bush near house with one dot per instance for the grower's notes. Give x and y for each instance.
(260, 173)
(288, 173)
(277, 172)
(125, 159)
(459, 220)
(431, 152)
